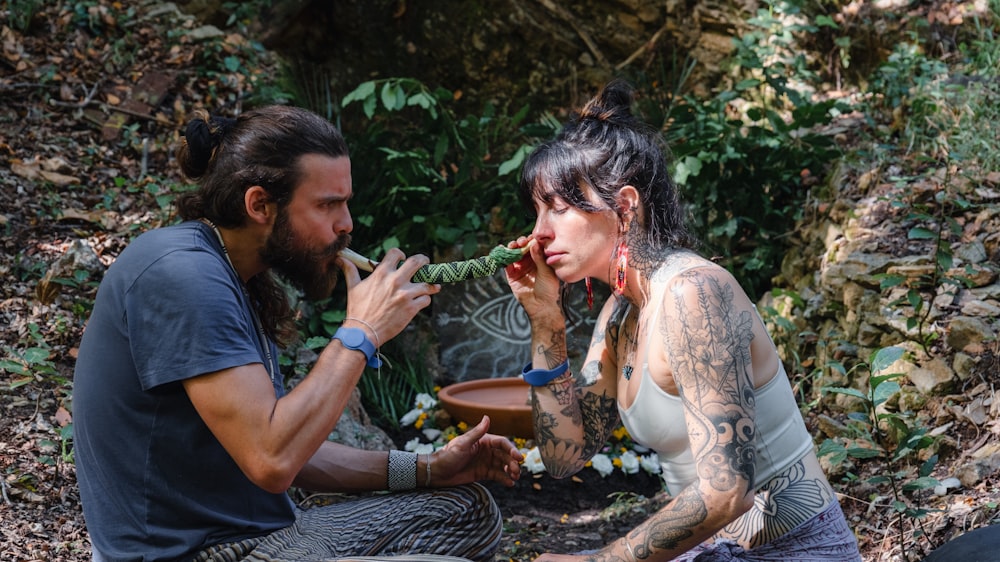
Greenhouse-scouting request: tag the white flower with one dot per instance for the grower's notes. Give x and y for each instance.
(650, 463)
(630, 462)
(412, 445)
(424, 401)
(431, 434)
(602, 464)
(533, 461)
(410, 417)
(423, 448)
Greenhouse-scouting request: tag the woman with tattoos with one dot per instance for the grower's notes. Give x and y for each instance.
(679, 355)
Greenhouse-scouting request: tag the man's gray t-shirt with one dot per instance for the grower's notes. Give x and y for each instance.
(155, 484)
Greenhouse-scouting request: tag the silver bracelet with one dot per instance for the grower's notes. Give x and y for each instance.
(427, 462)
(402, 471)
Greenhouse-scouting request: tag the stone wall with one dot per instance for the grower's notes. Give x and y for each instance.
(833, 305)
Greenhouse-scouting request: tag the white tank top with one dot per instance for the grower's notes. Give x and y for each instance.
(656, 420)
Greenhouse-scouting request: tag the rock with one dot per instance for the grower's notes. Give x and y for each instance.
(966, 333)
(355, 428)
(934, 378)
(945, 485)
(831, 427)
(964, 366)
(972, 473)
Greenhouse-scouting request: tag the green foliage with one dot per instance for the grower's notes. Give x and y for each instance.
(939, 111)
(794, 342)
(34, 364)
(744, 157)
(243, 12)
(891, 438)
(945, 120)
(21, 12)
(388, 396)
(433, 180)
(933, 222)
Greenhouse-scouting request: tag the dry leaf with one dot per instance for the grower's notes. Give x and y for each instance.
(63, 417)
(57, 178)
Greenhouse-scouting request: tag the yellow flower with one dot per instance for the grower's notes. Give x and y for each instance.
(463, 427)
(617, 462)
(520, 442)
(620, 433)
(564, 518)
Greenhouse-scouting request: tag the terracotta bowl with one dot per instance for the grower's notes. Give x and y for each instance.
(504, 400)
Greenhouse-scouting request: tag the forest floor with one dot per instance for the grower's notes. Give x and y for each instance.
(69, 109)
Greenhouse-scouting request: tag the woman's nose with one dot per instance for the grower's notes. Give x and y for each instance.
(542, 229)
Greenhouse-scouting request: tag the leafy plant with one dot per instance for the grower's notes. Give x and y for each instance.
(387, 397)
(27, 364)
(891, 438)
(932, 222)
(21, 12)
(433, 180)
(746, 157)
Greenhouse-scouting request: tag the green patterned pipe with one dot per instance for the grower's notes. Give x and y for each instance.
(451, 272)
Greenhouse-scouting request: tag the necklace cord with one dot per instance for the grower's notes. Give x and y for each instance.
(263, 339)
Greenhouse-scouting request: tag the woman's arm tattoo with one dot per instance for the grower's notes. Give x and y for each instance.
(710, 350)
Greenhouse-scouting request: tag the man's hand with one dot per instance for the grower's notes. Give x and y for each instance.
(476, 455)
(387, 300)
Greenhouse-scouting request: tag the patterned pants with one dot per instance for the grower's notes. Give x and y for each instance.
(826, 537)
(459, 524)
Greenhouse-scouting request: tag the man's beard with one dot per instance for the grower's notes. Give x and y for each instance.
(311, 270)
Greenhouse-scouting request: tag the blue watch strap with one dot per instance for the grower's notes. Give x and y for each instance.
(357, 339)
(542, 377)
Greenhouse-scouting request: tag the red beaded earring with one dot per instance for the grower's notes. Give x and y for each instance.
(620, 279)
(590, 293)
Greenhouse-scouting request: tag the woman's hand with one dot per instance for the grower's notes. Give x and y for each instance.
(476, 455)
(533, 282)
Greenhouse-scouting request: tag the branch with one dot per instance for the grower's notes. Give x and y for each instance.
(647, 46)
(559, 11)
(78, 105)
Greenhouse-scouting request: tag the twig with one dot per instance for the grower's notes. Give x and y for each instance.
(559, 11)
(89, 100)
(78, 105)
(648, 45)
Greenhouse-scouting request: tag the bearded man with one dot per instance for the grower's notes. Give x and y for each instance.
(186, 439)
